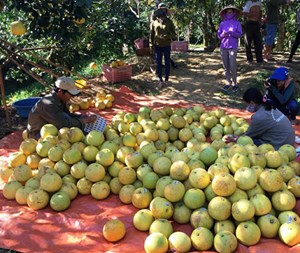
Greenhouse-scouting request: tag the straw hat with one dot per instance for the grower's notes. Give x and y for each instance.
(237, 10)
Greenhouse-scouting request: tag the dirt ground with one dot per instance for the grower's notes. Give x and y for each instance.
(198, 78)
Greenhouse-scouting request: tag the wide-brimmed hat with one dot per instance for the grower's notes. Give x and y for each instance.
(68, 84)
(237, 10)
(280, 74)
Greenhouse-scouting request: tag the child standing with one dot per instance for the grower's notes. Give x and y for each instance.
(229, 32)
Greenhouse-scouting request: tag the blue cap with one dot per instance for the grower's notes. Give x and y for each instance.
(280, 74)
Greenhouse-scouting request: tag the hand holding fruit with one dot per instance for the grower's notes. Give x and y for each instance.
(230, 138)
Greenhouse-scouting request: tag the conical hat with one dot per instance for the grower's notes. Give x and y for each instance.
(237, 10)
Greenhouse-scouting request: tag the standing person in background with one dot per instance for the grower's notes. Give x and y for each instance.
(272, 19)
(252, 13)
(297, 40)
(153, 16)
(162, 31)
(229, 32)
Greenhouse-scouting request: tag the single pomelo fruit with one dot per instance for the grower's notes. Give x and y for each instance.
(10, 189)
(156, 243)
(202, 238)
(38, 199)
(179, 242)
(114, 230)
(60, 201)
(17, 28)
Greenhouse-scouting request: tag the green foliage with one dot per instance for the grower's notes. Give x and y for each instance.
(31, 90)
(110, 25)
(84, 69)
(53, 18)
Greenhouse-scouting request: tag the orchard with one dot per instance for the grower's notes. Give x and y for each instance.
(171, 164)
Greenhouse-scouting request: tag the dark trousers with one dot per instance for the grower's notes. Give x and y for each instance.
(290, 109)
(161, 52)
(253, 34)
(295, 45)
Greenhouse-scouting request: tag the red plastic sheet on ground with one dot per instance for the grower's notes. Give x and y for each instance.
(79, 228)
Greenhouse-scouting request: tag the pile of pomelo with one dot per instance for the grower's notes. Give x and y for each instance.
(173, 165)
(117, 63)
(100, 100)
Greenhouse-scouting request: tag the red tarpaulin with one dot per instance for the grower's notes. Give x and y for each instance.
(79, 228)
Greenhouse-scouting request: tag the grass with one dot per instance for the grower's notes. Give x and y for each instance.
(87, 72)
(31, 90)
(196, 46)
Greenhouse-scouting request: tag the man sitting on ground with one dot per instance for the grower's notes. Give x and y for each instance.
(52, 109)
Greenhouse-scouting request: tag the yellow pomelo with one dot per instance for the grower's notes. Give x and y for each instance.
(114, 230)
(17, 28)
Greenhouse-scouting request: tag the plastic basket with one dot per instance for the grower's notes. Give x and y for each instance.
(118, 74)
(180, 46)
(143, 51)
(141, 43)
(24, 106)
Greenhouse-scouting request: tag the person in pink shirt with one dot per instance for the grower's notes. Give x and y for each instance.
(229, 32)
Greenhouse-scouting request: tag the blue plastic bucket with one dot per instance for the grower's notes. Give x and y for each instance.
(24, 106)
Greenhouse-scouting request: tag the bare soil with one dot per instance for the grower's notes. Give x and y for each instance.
(199, 78)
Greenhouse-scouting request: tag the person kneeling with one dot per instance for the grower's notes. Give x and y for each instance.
(280, 90)
(268, 124)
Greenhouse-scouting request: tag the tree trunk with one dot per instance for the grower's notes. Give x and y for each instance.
(281, 35)
(187, 33)
(209, 31)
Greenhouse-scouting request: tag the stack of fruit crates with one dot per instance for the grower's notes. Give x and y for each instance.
(116, 74)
